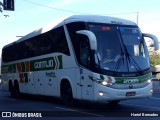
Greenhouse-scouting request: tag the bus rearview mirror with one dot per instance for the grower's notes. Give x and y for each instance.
(154, 38)
(91, 36)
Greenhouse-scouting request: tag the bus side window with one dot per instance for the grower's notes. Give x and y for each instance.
(84, 51)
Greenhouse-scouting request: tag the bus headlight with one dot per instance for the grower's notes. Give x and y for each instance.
(104, 83)
(151, 91)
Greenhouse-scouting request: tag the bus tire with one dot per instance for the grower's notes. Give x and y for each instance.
(15, 91)
(11, 88)
(66, 94)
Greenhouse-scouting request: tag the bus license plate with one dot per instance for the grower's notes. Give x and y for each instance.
(130, 93)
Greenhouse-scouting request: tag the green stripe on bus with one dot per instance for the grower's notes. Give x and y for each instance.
(60, 61)
(140, 79)
(46, 63)
(7, 69)
(49, 63)
(23, 67)
(14, 68)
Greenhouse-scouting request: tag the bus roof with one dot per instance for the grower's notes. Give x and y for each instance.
(98, 19)
(74, 18)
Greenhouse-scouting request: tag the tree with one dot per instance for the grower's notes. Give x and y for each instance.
(154, 58)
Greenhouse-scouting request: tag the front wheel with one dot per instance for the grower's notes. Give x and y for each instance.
(67, 95)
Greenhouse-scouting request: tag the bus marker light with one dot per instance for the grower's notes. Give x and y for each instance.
(149, 81)
(105, 28)
(101, 93)
(151, 90)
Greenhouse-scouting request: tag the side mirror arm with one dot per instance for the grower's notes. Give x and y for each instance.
(154, 38)
(91, 36)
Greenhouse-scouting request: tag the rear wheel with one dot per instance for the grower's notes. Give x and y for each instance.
(15, 90)
(67, 95)
(11, 89)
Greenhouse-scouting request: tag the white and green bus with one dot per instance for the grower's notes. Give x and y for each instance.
(84, 57)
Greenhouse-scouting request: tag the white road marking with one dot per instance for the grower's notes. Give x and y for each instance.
(79, 111)
(141, 106)
(155, 98)
(8, 99)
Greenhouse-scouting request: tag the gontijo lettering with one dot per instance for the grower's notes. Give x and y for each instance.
(44, 64)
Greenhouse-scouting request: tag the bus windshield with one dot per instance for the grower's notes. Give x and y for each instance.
(120, 48)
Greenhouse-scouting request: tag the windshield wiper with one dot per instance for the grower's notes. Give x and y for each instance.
(119, 61)
(126, 54)
(130, 58)
(98, 60)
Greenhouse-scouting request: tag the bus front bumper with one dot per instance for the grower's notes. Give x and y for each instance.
(103, 93)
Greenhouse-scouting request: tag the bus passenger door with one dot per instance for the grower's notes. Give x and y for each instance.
(85, 61)
(86, 85)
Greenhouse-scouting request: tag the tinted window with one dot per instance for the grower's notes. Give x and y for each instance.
(85, 59)
(49, 42)
(72, 28)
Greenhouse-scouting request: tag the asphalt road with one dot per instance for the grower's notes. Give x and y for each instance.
(49, 107)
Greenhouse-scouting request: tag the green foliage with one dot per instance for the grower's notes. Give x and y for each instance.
(154, 59)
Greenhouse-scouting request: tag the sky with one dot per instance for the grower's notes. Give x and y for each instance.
(30, 15)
